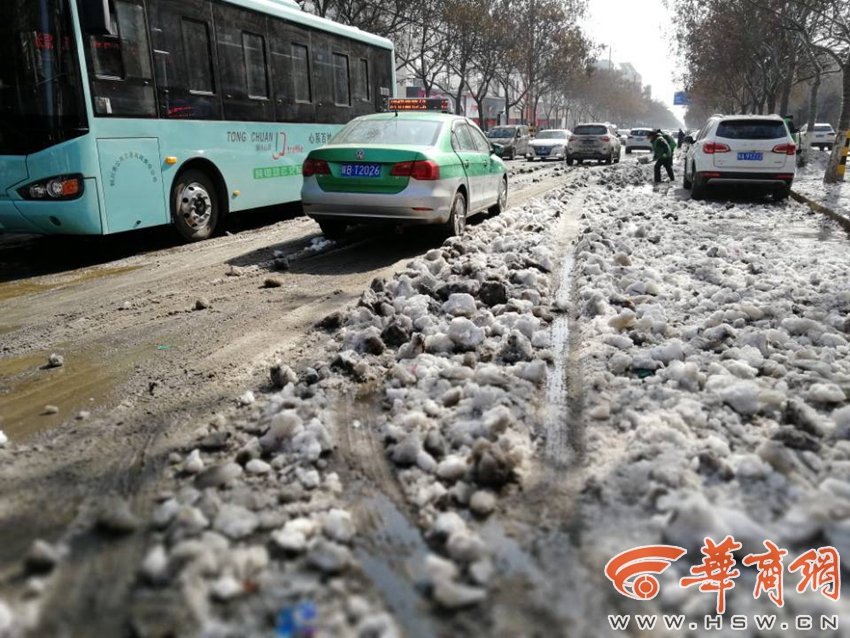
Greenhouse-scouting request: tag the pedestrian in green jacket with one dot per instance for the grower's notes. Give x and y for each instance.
(663, 156)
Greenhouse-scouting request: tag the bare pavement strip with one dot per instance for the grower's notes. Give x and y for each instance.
(154, 344)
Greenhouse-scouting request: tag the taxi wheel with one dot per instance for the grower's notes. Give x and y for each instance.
(194, 206)
(332, 228)
(502, 202)
(457, 219)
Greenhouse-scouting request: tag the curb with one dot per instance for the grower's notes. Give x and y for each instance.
(820, 208)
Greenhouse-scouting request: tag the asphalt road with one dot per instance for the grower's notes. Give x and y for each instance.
(143, 367)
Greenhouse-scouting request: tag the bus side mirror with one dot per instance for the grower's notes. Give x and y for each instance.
(96, 17)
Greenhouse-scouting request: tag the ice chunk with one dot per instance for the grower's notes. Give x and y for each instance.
(465, 334)
(235, 521)
(460, 305)
(826, 393)
(339, 526)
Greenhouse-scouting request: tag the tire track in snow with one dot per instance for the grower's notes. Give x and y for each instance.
(557, 422)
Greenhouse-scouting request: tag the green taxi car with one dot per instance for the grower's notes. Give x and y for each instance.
(404, 167)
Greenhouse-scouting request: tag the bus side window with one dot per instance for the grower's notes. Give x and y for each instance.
(301, 84)
(364, 88)
(120, 65)
(242, 63)
(293, 89)
(197, 56)
(255, 65)
(341, 80)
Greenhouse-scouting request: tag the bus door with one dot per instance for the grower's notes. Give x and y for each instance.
(131, 173)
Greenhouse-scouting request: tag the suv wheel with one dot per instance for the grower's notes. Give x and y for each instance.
(698, 187)
(782, 194)
(569, 160)
(686, 181)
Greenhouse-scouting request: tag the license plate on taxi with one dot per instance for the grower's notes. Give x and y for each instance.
(360, 170)
(750, 157)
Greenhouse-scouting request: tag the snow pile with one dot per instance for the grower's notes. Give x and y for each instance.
(458, 342)
(255, 516)
(455, 347)
(718, 346)
(809, 182)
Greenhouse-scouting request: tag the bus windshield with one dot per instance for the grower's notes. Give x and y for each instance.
(40, 90)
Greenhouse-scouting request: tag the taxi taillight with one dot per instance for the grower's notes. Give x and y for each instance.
(316, 167)
(420, 169)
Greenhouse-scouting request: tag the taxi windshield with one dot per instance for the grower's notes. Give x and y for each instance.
(398, 131)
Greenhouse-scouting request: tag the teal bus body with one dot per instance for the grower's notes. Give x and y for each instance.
(128, 165)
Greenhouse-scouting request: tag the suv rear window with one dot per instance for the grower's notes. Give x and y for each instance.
(752, 130)
(398, 131)
(639, 132)
(824, 128)
(502, 131)
(590, 130)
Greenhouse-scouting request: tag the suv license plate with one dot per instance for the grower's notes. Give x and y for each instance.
(750, 157)
(360, 170)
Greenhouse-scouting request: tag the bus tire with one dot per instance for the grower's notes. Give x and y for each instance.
(195, 207)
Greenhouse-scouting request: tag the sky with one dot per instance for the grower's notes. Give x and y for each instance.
(640, 32)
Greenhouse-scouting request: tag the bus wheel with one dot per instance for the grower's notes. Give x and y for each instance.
(194, 206)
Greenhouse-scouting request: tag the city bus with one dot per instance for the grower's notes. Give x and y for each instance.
(125, 114)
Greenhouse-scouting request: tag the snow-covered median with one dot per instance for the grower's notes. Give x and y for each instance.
(718, 342)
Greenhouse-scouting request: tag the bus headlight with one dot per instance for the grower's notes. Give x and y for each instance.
(61, 187)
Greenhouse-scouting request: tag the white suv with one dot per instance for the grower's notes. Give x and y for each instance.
(594, 142)
(822, 136)
(755, 150)
(638, 139)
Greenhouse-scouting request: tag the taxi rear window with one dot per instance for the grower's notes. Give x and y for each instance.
(397, 132)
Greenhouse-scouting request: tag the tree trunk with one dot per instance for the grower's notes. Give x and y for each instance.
(788, 83)
(831, 176)
(506, 86)
(771, 103)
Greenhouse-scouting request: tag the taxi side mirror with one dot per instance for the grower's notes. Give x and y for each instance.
(497, 149)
